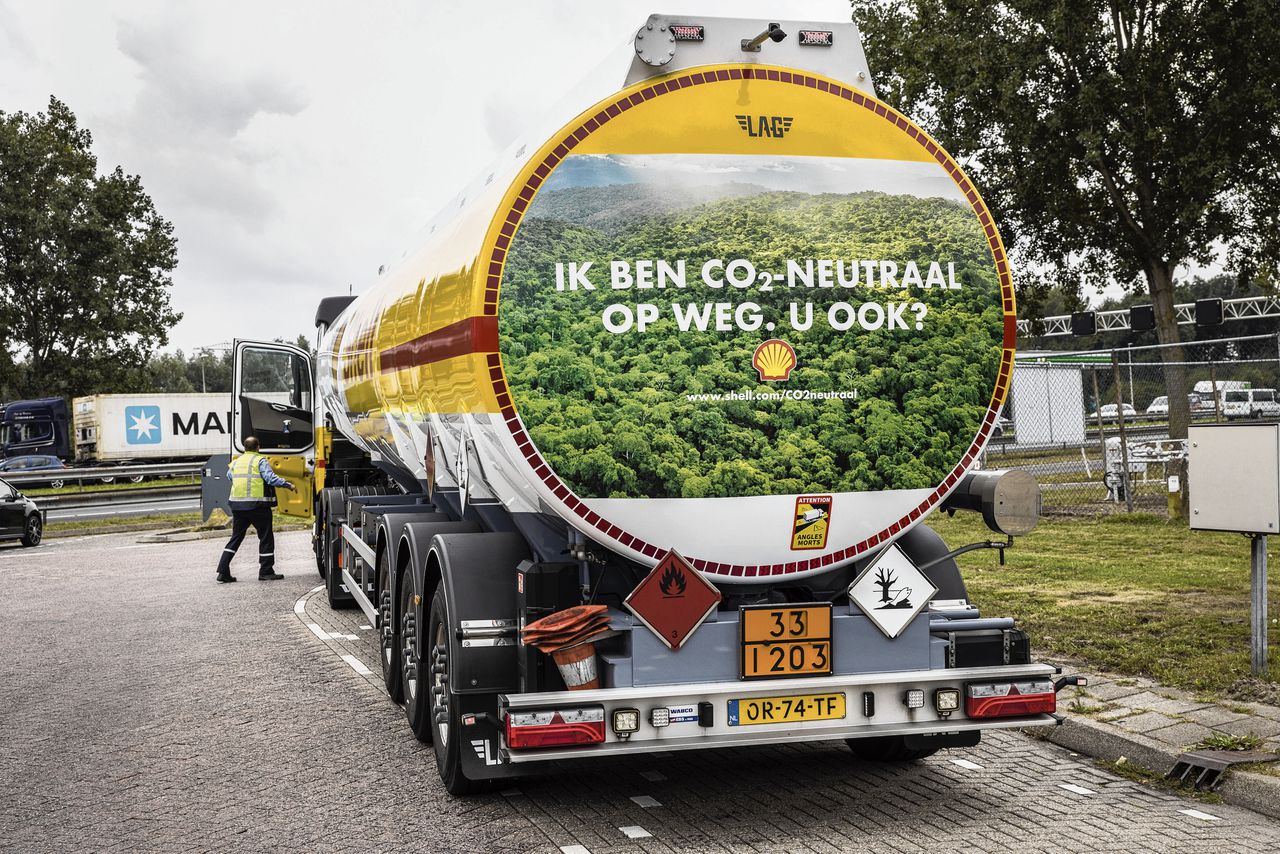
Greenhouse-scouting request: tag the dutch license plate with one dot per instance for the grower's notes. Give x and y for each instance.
(794, 640)
(782, 710)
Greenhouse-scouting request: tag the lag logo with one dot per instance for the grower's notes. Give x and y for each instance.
(142, 425)
(771, 126)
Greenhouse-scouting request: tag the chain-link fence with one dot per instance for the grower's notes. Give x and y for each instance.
(1095, 427)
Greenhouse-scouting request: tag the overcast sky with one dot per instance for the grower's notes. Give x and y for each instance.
(298, 145)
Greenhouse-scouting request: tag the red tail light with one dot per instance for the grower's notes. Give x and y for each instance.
(1010, 699)
(555, 728)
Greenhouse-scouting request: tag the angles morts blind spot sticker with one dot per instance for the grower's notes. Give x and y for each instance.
(812, 522)
(673, 600)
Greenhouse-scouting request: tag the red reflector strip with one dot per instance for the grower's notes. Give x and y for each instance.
(1010, 699)
(555, 728)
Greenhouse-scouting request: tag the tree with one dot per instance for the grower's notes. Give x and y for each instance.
(85, 261)
(1113, 140)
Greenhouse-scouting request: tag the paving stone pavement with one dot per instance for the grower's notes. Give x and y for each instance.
(1173, 717)
(145, 708)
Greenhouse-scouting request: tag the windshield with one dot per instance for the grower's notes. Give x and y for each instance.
(1160, 401)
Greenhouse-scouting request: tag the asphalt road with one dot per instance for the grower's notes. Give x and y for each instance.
(144, 707)
(146, 508)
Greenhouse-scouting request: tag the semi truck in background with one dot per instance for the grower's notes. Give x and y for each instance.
(114, 429)
(631, 451)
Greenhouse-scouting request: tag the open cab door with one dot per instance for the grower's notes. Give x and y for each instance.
(272, 397)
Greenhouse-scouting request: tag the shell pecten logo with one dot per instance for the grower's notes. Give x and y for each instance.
(774, 360)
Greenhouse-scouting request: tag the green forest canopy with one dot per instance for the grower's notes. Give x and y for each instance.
(610, 413)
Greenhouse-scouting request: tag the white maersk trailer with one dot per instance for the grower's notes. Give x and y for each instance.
(122, 428)
(630, 453)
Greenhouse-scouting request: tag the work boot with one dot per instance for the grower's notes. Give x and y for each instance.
(226, 579)
(270, 576)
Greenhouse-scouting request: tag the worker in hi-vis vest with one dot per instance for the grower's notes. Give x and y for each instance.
(250, 475)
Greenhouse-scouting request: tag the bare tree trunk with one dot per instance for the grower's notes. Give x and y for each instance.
(1160, 285)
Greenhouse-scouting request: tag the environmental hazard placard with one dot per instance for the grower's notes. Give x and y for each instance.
(812, 522)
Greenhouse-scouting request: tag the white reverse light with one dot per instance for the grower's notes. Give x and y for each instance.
(914, 699)
(625, 722)
(660, 717)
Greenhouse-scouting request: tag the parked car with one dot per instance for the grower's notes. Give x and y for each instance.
(1003, 425)
(34, 462)
(1250, 403)
(20, 519)
(1195, 402)
(1109, 413)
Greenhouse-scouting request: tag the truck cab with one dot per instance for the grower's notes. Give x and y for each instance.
(40, 427)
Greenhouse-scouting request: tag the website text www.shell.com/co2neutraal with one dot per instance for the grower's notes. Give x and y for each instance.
(786, 394)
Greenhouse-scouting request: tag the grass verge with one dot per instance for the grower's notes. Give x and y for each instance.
(1132, 594)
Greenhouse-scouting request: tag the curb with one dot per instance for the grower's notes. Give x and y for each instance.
(181, 535)
(1257, 792)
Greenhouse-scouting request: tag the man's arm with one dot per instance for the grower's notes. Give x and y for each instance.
(269, 475)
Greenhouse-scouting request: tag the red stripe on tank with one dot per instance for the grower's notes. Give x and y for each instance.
(473, 335)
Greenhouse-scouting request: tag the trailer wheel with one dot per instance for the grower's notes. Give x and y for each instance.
(388, 631)
(414, 672)
(444, 705)
(317, 537)
(887, 748)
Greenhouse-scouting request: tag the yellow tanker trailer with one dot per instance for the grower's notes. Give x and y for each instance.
(630, 451)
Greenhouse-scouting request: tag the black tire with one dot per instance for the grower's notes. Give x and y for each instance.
(138, 478)
(317, 538)
(415, 672)
(886, 748)
(388, 631)
(446, 739)
(33, 531)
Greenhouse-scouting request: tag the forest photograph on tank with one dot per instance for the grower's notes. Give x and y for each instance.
(699, 326)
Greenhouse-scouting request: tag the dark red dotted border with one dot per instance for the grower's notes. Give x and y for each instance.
(626, 102)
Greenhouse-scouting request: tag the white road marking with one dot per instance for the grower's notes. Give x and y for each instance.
(317, 631)
(357, 665)
(646, 801)
(574, 849)
(1079, 790)
(300, 607)
(138, 546)
(966, 764)
(365, 628)
(635, 831)
(1203, 816)
(653, 776)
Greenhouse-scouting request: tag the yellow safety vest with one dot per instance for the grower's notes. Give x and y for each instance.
(246, 481)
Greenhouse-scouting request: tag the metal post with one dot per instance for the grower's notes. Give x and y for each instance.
(1124, 444)
(1258, 611)
(1128, 354)
(1217, 403)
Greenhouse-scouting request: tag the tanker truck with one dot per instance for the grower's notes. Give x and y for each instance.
(630, 451)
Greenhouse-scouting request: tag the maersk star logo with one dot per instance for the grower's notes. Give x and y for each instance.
(142, 425)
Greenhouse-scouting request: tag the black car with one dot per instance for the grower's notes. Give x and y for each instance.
(20, 519)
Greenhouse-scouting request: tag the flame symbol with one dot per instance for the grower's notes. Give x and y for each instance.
(672, 582)
(774, 360)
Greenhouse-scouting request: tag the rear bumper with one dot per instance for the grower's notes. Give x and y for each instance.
(891, 716)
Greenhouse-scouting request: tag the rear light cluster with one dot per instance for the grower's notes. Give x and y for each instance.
(555, 728)
(1010, 699)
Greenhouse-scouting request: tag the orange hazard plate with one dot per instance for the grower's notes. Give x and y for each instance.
(789, 640)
